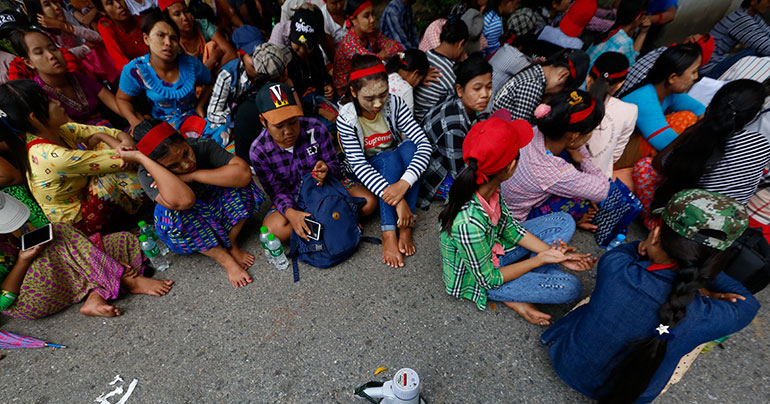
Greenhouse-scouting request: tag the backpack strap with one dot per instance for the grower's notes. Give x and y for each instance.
(371, 240)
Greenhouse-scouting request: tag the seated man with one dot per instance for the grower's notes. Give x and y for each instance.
(290, 147)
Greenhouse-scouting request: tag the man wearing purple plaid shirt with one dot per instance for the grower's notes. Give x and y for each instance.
(290, 147)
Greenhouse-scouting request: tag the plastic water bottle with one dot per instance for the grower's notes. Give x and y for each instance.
(149, 231)
(152, 252)
(263, 233)
(276, 252)
(618, 241)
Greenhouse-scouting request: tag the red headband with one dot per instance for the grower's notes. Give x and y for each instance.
(154, 137)
(580, 115)
(606, 75)
(378, 68)
(361, 8)
(572, 71)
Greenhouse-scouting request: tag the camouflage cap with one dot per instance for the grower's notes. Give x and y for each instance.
(693, 210)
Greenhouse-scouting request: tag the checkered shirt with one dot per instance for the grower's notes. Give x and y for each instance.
(280, 171)
(466, 253)
(522, 94)
(638, 71)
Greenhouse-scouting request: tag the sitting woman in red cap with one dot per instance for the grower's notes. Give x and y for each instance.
(362, 39)
(121, 32)
(168, 79)
(198, 37)
(486, 253)
(82, 97)
(525, 91)
(203, 194)
(545, 181)
(387, 151)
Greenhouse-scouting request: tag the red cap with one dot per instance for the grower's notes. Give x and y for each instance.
(578, 16)
(706, 43)
(495, 143)
(164, 4)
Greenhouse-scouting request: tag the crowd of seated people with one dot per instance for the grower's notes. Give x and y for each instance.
(514, 121)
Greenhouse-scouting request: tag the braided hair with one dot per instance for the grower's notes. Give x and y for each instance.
(698, 264)
(685, 161)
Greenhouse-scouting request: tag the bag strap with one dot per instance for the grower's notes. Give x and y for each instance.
(371, 240)
(361, 393)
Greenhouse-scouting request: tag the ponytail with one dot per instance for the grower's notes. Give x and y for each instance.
(410, 60)
(698, 264)
(610, 68)
(685, 161)
(462, 190)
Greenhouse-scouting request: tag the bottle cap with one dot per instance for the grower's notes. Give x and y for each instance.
(142, 224)
(264, 229)
(621, 237)
(271, 236)
(142, 238)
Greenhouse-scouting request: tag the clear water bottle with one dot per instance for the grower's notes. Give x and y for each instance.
(276, 252)
(616, 242)
(149, 231)
(152, 252)
(263, 233)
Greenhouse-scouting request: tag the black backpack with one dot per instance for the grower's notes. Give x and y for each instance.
(751, 266)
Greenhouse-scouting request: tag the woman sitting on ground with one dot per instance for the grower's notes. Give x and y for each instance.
(362, 38)
(664, 91)
(198, 37)
(168, 79)
(387, 152)
(84, 43)
(530, 87)
(610, 138)
(80, 95)
(203, 195)
(48, 278)
(555, 172)
(121, 32)
(716, 154)
(489, 255)
(655, 301)
(447, 123)
(90, 189)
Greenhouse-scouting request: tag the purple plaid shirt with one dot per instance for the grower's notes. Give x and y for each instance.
(280, 171)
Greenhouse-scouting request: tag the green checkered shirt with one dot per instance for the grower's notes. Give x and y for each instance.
(466, 253)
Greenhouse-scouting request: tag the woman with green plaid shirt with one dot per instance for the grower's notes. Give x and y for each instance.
(483, 247)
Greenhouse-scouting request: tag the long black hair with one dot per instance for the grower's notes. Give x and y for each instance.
(674, 60)
(685, 161)
(697, 265)
(462, 190)
(628, 12)
(144, 127)
(357, 63)
(608, 70)
(19, 98)
(410, 60)
(574, 60)
(563, 105)
(17, 37)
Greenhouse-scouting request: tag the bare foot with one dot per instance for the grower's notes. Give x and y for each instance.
(95, 305)
(238, 276)
(405, 242)
(390, 253)
(147, 286)
(529, 312)
(244, 259)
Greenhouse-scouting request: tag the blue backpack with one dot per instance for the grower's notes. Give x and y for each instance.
(332, 206)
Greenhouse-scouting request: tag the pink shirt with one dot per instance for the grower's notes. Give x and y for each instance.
(540, 175)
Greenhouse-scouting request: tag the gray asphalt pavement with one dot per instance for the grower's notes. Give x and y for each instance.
(276, 341)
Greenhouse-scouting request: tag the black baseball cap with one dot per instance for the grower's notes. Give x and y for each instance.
(306, 27)
(277, 103)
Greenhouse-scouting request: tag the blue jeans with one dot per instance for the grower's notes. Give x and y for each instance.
(545, 284)
(391, 165)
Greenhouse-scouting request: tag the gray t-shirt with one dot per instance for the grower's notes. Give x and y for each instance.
(208, 155)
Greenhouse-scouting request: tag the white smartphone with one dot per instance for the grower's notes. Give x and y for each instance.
(36, 237)
(315, 229)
